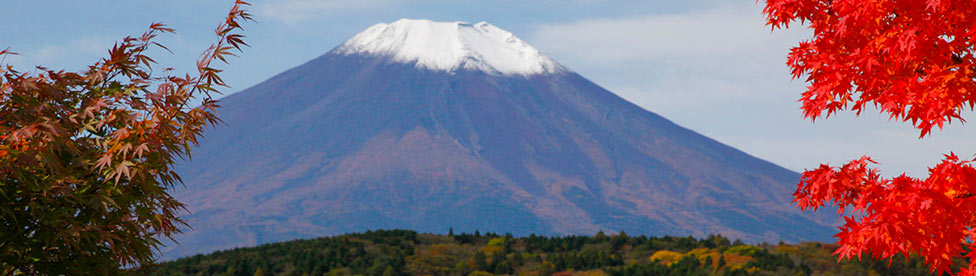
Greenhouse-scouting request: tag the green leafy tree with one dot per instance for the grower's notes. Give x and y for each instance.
(496, 259)
(547, 269)
(86, 158)
(600, 236)
(504, 267)
(389, 271)
(479, 261)
(517, 258)
(463, 268)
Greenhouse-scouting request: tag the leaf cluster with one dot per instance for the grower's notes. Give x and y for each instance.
(913, 59)
(932, 217)
(86, 158)
(916, 61)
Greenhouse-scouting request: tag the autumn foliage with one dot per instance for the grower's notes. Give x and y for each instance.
(86, 158)
(914, 60)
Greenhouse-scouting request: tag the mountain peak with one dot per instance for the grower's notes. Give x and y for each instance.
(448, 46)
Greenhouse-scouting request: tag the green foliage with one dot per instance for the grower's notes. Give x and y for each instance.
(86, 158)
(370, 253)
(745, 250)
(480, 262)
(400, 252)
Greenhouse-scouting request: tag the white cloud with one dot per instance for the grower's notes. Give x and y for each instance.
(719, 32)
(720, 59)
(296, 11)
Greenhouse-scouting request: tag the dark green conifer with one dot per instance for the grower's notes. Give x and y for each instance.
(480, 262)
(504, 268)
(517, 259)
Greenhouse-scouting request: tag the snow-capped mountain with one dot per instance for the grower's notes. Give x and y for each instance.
(449, 46)
(430, 125)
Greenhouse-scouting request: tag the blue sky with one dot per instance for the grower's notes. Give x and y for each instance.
(709, 65)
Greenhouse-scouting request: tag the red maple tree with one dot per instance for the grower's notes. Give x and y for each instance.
(87, 158)
(914, 60)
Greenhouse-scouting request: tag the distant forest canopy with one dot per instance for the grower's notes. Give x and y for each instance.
(405, 252)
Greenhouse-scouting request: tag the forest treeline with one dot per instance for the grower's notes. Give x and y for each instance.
(404, 252)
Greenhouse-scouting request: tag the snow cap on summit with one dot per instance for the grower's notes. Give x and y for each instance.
(449, 46)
